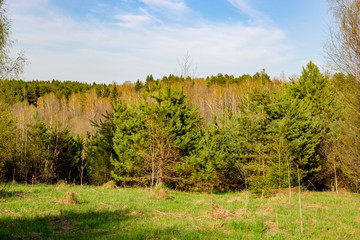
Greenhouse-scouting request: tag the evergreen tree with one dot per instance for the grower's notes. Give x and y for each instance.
(305, 125)
(160, 133)
(100, 149)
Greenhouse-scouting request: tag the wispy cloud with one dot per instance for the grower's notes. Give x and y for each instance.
(131, 20)
(246, 8)
(64, 48)
(173, 6)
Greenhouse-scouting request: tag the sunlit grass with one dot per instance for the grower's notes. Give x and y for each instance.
(33, 212)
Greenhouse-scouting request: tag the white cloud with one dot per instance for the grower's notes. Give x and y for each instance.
(246, 8)
(173, 6)
(133, 20)
(63, 48)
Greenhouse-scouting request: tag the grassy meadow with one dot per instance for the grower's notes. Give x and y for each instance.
(36, 212)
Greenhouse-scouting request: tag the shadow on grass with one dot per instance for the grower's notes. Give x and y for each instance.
(69, 225)
(9, 194)
(120, 224)
(7, 191)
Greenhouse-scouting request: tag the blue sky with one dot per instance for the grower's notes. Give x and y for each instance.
(108, 41)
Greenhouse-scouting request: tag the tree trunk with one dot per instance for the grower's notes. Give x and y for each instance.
(69, 177)
(14, 175)
(336, 182)
(81, 175)
(161, 165)
(152, 172)
(82, 167)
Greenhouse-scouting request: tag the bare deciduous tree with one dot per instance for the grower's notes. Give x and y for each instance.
(187, 67)
(10, 67)
(343, 50)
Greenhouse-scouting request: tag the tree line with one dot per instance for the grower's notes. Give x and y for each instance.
(189, 133)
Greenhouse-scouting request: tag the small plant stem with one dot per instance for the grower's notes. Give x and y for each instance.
(301, 221)
(212, 205)
(289, 182)
(277, 225)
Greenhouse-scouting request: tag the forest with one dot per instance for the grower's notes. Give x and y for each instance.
(221, 132)
(224, 132)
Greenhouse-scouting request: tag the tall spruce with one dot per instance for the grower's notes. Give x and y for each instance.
(159, 131)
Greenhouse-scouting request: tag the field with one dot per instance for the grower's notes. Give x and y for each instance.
(34, 212)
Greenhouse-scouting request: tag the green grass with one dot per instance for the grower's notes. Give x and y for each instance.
(32, 212)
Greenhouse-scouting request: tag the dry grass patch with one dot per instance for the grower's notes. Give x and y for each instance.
(12, 213)
(316, 206)
(20, 195)
(109, 184)
(201, 202)
(69, 199)
(265, 211)
(61, 184)
(271, 227)
(284, 191)
(161, 192)
(221, 213)
(236, 200)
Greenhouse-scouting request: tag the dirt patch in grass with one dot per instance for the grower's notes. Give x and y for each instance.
(20, 195)
(12, 213)
(315, 206)
(236, 200)
(271, 227)
(221, 213)
(313, 222)
(265, 211)
(61, 225)
(138, 213)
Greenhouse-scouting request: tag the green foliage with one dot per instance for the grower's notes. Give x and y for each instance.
(305, 128)
(221, 79)
(138, 85)
(13, 91)
(154, 136)
(211, 163)
(129, 124)
(7, 141)
(114, 93)
(100, 149)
